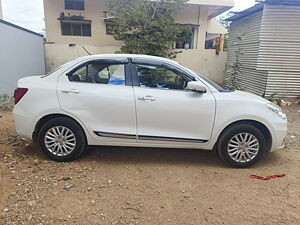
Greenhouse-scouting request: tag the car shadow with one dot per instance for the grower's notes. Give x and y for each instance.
(271, 158)
(142, 155)
(159, 156)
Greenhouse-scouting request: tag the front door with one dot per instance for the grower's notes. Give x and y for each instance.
(167, 113)
(99, 94)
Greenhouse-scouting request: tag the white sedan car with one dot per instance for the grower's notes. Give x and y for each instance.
(143, 101)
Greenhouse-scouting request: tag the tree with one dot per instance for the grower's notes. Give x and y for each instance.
(147, 27)
(222, 20)
(234, 70)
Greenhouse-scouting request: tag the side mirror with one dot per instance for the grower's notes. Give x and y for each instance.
(196, 86)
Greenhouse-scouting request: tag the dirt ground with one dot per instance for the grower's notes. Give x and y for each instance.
(113, 185)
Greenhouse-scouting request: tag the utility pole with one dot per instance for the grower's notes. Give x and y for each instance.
(1, 14)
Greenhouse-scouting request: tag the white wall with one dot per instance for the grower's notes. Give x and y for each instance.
(204, 62)
(21, 54)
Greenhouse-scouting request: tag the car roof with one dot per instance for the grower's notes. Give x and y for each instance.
(122, 56)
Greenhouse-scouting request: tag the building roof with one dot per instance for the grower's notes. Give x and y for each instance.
(215, 7)
(260, 6)
(228, 3)
(20, 28)
(280, 2)
(247, 12)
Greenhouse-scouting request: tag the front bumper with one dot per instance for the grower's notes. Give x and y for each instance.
(278, 136)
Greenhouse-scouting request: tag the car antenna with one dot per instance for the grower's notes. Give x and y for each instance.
(86, 50)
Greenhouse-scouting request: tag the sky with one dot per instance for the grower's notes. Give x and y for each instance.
(30, 13)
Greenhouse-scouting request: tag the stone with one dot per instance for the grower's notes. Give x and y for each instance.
(36, 162)
(93, 202)
(68, 187)
(31, 203)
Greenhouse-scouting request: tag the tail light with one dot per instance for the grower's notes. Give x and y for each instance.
(19, 93)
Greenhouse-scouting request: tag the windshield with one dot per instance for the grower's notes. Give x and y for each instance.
(216, 86)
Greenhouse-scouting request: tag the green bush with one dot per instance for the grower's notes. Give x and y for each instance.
(6, 102)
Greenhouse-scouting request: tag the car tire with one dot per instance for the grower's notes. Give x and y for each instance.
(62, 139)
(241, 145)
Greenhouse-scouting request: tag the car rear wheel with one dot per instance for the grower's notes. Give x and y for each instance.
(241, 145)
(62, 139)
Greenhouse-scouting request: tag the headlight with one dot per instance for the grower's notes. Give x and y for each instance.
(276, 109)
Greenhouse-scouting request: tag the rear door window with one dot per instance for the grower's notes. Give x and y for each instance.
(101, 73)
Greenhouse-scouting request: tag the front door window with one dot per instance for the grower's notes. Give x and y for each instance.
(154, 76)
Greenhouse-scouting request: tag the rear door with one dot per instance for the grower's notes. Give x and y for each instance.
(99, 94)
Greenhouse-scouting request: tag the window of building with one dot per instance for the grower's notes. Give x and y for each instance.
(76, 29)
(100, 73)
(188, 44)
(109, 28)
(154, 76)
(74, 4)
(212, 41)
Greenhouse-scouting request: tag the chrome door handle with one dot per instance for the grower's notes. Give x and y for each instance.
(146, 98)
(71, 91)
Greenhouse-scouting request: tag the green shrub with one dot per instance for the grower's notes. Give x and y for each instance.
(6, 102)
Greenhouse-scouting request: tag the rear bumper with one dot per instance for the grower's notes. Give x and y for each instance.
(23, 122)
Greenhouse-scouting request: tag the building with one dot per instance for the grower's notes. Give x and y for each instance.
(75, 27)
(22, 54)
(270, 47)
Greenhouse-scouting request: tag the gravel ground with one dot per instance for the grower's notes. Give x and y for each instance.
(114, 185)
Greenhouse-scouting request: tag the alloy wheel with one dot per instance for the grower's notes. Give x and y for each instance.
(60, 140)
(243, 147)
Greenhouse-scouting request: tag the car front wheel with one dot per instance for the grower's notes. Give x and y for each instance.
(241, 145)
(62, 139)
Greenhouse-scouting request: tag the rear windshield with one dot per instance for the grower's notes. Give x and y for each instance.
(48, 74)
(58, 68)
